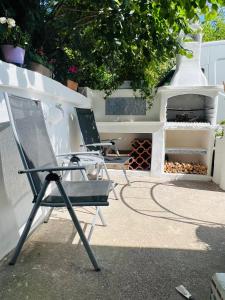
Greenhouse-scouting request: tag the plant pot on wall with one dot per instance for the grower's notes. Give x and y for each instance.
(13, 54)
(73, 85)
(40, 69)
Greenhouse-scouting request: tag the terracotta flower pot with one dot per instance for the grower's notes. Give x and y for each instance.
(73, 85)
(40, 69)
(13, 54)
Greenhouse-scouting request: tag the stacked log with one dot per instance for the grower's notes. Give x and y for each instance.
(185, 168)
(140, 155)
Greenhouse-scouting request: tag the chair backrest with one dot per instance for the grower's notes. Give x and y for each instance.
(29, 128)
(88, 127)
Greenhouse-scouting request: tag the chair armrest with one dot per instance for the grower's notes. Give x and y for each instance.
(51, 169)
(78, 153)
(100, 144)
(111, 140)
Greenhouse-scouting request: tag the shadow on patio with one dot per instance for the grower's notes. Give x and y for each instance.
(159, 236)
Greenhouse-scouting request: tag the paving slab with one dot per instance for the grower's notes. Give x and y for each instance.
(159, 234)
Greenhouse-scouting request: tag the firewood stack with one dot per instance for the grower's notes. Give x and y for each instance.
(185, 168)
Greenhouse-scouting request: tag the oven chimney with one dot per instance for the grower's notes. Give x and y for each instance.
(188, 70)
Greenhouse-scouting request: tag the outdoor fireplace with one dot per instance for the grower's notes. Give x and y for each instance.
(190, 108)
(189, 98)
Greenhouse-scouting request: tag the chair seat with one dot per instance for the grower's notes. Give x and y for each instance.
(116, 159)
(80, 193)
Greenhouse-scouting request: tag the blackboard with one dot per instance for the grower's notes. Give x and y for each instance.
(125, 106)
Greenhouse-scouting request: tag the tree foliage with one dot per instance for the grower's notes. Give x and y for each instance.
(111, 40)
(214, 30)
(119, 40)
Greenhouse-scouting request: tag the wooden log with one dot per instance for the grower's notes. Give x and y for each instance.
(185, 168)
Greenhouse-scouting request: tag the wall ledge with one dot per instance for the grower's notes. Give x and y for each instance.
(15, 79)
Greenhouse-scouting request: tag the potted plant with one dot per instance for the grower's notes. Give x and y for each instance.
(39, 62)
(13, 41)
(71, 77)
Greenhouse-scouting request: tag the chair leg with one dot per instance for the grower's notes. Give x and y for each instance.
(98, 211)
(98, 170)
(29, 223)
(77, 226)
(125, 174)
(101, 216)
(48, 215)
(93, 223)
(83, 172)
(108, 177)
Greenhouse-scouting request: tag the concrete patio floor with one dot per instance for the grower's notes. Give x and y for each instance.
(159, 235)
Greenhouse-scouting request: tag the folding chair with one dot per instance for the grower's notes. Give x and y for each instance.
(41, 168)
(92, 141)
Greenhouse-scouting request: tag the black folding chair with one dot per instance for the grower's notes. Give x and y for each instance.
(38, 158)
(92, 141)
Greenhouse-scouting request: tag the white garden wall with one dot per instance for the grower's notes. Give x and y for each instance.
(219, 162)
(58, 106)
(213, 62)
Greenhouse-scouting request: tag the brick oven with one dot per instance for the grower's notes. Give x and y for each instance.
(188, 109)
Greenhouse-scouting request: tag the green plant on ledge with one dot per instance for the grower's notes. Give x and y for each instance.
(38, 56)
(11, 34)
(72, 73)
(220, 130)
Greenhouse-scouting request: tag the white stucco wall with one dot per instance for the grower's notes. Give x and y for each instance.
(58, 105)
(213, 62)
(98, 105)
(218, 160)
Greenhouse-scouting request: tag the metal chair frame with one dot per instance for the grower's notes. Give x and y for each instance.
(110, 143)
(52, 176)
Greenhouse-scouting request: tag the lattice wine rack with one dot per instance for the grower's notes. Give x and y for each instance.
(140, 155)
